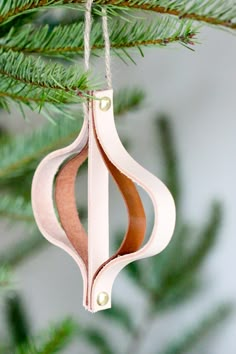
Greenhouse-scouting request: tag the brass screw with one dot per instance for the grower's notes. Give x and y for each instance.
(102, 298)
(105, 103)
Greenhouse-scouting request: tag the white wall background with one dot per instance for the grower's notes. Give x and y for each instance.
(197, 90)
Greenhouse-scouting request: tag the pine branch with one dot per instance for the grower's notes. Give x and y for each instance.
(55, 339)
(16, 319)
(68, 40)
(16, 208)
(58, 337)
(45, 101)
(27, 70)
(33, 82)
(178, 294)
(22, 20)
(167, 263)
(12, 190)
(206, 239)
(187, 266)
(27, 348)
(194, 336)
(128, 100)
(213, 12)
(22, 155)
(172, 178)
(168, 260)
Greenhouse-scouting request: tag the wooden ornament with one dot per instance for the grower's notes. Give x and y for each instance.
(53, 193)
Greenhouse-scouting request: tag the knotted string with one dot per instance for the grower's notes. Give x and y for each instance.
(87, 47)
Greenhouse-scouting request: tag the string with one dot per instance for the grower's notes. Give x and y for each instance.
(107, 48)
(87, 30)
(87, 48)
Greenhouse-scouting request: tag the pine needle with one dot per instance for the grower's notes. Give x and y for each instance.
(23, 154)
(55, 339)
(172, 178)
(127, 100)
(212, 12)
(28, 70)
(188, 264)
(68, 40)
(16, 208)
(34, 83)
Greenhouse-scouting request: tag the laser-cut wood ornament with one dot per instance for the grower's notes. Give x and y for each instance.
(99, 141)
(53, 193)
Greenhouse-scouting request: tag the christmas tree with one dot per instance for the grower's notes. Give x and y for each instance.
(40, 45)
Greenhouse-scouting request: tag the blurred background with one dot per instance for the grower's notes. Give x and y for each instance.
(192, 96)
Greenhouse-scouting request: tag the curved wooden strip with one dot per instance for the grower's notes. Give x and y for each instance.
(163, 203)
(43, 204)
(135, 233)
(66, 204)
(68, 215)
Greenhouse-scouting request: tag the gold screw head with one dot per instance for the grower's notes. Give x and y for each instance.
(102, 298)
(105, 104)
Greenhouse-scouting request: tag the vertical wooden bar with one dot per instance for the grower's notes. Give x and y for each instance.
(98, 208)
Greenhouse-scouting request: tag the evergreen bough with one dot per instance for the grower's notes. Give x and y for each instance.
(39, 70)
(27, 79)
